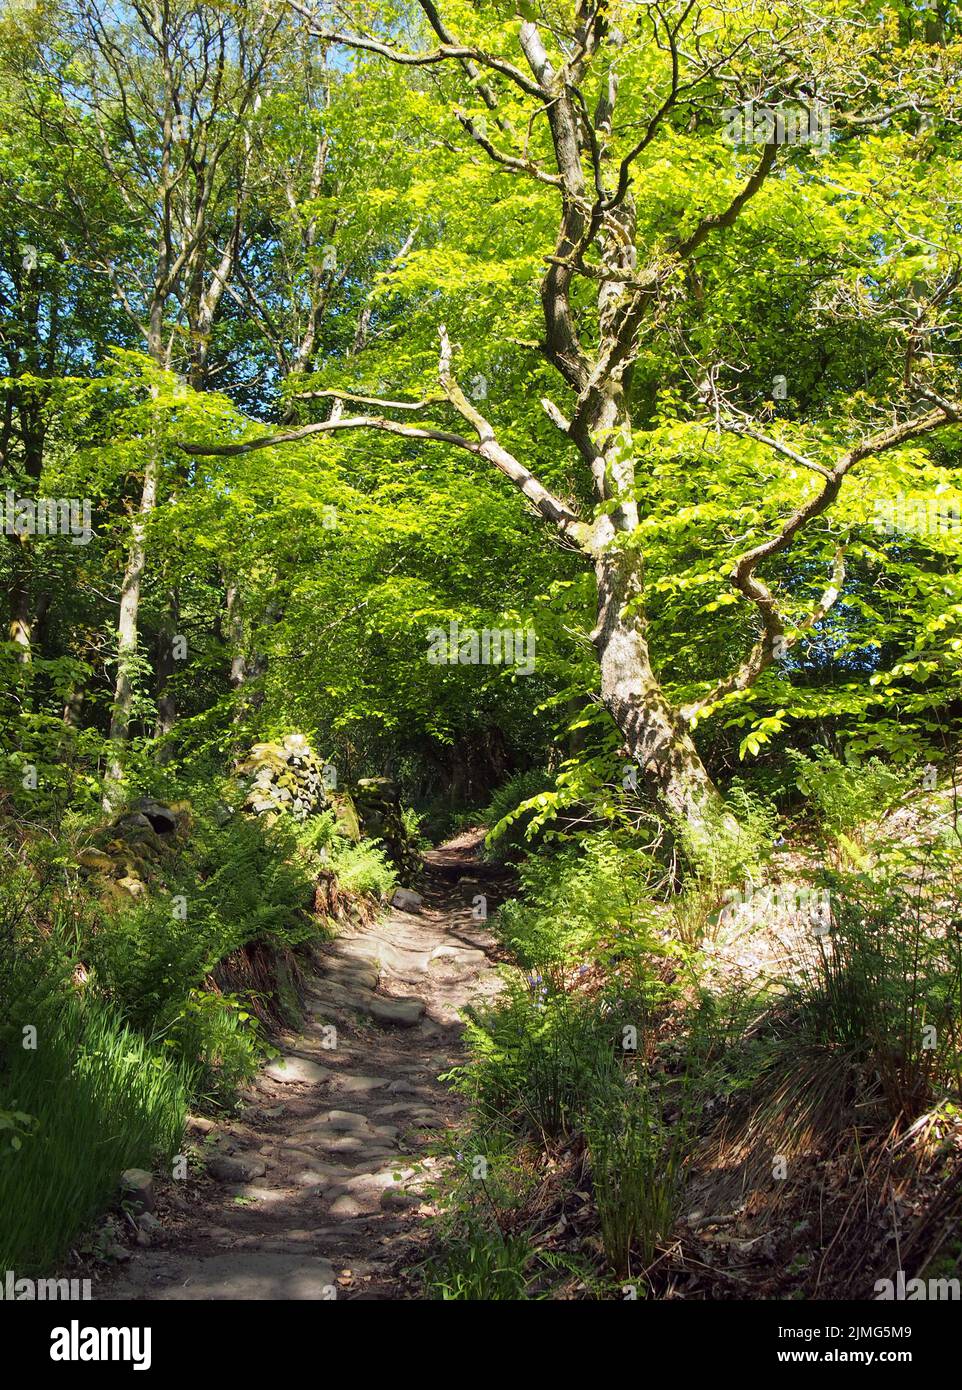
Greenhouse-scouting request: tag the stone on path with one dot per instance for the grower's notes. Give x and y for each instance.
(289, 1069)
(227, 1169)
(404, 1012)
(255, 1276)
(359, 1085)
(405, 900)
(137, 1189)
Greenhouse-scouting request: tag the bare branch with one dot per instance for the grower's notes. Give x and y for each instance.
(345, 422)
(744, 577)
(555, 415)
(772, 641)
(444, 53)
(739, 427)
(548, 506)
(511, 162)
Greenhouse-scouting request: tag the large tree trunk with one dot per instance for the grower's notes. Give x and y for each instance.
(655, 736)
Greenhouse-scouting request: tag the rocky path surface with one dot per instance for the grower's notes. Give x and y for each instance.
(321, 1188)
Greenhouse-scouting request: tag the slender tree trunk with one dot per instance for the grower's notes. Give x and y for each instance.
(21, 626)
(164, 666)
(127, 632)
(236, 639)
(32, 435)
(237, 677)
(73, 707)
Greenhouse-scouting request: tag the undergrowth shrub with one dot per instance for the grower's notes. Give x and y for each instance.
(144, 957)
(865, 1027)
(552, 1066)
(590, 898)
(249, 883)
(637, 1168)
(507, 818)
(732, 845)
(237, 882)
(364, 868)
(220, 1038)
(480, 1264)
(535, 1057)
(569, 1054)
(414, 823)
(886, 983)
(849, 798)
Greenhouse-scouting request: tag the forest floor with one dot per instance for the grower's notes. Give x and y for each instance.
(321, 1186)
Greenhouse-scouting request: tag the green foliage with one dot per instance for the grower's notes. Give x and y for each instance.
(735, 841)
(249, 884)
(238, 882)
(146, 957)
(218, 1036)
(731, 847)
(851, 797)
(590, 899)
(316, 838)
(365, 868)
(413, 828)
(637, 1169)
(480, 1264)
(536, 1057)
(509, 813)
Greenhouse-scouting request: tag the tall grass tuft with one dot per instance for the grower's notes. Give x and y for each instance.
(99, 1099)
(483, 1264)
(637, 1166)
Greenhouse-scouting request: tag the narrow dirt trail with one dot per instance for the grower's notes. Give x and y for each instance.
(318, 1186)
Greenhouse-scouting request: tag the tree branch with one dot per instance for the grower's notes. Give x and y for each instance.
(743, 575)
(772, 643)
(333, 393)
(738, 427)
(444, 53)
(546, 504)
(345, 422)
(719, 220)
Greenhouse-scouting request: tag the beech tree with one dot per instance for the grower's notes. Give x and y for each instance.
(540, 97)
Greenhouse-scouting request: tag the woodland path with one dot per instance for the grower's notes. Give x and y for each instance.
(323, 1181)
